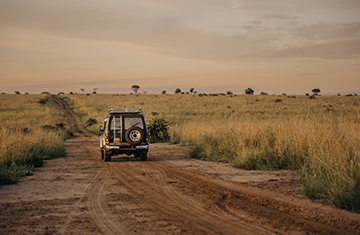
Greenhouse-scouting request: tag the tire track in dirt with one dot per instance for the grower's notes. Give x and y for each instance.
(254, 207)
(149, 196)
(216, 220)
(96, 201)
(71, 116)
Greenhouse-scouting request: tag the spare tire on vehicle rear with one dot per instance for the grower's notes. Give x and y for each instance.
(134, 135)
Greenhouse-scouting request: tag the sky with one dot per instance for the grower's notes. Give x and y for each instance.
(277, 46)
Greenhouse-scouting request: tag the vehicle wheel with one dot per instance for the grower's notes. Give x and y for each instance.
(134, 135)
(143, 156)
(107, 157)
(102, 153)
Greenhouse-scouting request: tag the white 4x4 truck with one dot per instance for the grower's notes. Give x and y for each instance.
(124, 132)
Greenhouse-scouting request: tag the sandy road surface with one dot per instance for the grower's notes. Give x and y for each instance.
(168, 194)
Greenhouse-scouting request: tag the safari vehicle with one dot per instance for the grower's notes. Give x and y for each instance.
(124, 132)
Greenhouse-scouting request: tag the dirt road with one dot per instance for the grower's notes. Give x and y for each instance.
(168, 194)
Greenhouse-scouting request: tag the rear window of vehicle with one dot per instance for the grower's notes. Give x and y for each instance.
(115, 123)
(133, 121)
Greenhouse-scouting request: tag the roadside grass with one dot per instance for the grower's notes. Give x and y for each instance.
(32, 129)
(319, 138)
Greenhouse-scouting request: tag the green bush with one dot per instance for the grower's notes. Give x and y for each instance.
(90, 122)
(158, 130)
(43, 100)
(12, 174)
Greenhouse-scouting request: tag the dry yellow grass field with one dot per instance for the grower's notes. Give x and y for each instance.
(319, 138)
(29, 133)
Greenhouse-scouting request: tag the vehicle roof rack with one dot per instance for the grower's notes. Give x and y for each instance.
(125, 110)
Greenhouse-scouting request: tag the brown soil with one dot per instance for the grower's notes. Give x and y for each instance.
(168, 194)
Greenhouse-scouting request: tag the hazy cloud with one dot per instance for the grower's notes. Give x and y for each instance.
(163, 5)
(276, 16)
(339, 49)
(324, 31)
(310, 74)
(250, 5)
(255, 22)
(153, 34)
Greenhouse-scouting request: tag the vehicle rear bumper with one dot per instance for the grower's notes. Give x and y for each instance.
(127, 148)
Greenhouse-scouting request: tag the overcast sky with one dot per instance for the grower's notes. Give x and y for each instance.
(273, 46)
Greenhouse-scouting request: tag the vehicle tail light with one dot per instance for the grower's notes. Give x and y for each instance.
(106, 140)
(147, 139)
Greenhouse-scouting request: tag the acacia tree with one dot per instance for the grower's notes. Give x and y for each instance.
(135, 88)
(177, 91)
(82, 89)
(316, 91)
(191, 90)
(249, 91)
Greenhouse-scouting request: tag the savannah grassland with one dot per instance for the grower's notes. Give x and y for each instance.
(32, 129)
(317, 138)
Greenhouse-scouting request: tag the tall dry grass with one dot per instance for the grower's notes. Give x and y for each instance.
(319, 138)
(29, 134)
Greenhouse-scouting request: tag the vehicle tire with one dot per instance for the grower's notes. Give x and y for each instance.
(102, 153)
(143, 156)
(134, 135)
(107, 157)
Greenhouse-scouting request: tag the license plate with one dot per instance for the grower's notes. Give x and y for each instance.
(117, 140)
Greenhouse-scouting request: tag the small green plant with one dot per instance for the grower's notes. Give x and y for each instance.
(49, 127)
(60, 125)
(91, 121)
(43, 100)
(158, 130)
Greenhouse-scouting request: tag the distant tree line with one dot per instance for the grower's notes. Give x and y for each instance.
(248, 91)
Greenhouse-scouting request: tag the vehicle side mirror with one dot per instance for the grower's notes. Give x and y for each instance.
(101, 128)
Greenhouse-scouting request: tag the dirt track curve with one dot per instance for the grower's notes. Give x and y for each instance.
(168, 194)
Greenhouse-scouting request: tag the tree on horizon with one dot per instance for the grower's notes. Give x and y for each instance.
(177, 91)
(249, 91)
(316, 91)
(135, 88)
